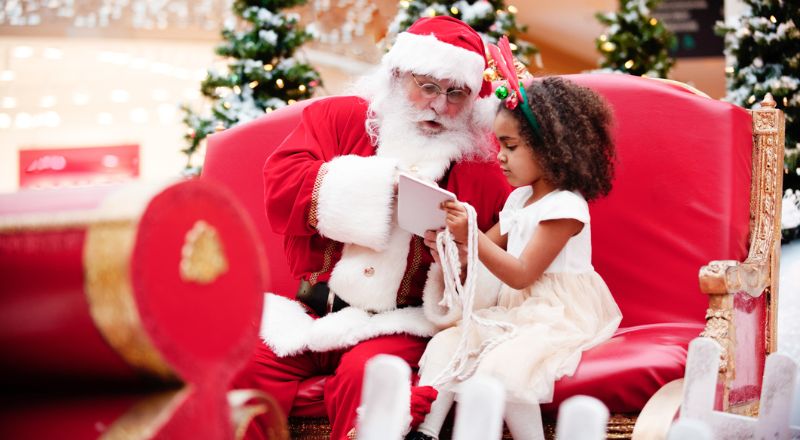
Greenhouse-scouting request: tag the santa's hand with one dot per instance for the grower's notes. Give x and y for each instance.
(421, 399)
(462, 258)
(430, 240)
(456, 220)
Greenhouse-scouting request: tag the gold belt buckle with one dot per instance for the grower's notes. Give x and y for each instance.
(303, 288)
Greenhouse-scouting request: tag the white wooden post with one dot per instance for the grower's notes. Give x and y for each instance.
(795, 420)
(582, 418)
(479, 413)
(780, 374)
(685, 429)
(700, 381)
(775, 411)
(385, 399)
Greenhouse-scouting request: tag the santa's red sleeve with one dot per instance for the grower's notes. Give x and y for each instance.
(325, 178)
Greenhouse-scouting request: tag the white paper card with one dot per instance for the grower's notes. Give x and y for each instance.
(419, 205)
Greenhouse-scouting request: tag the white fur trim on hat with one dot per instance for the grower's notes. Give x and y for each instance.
(426, 55)
(485, 111)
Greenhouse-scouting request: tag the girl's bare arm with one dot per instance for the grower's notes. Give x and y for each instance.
(550, 237)
(457, 224)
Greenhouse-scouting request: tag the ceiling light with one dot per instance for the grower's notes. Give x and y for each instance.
(49, 119)
(23, 120)
(139, 115)
(80, 98)
(23, 52)
(105, 118)
(47, 101)
(120, 96)
(159, 94)
(52, 53)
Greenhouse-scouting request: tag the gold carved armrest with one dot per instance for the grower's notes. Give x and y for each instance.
(758, 274)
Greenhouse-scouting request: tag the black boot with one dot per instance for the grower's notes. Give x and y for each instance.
(416, 435)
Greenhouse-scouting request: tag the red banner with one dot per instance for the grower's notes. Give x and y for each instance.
(70, 167)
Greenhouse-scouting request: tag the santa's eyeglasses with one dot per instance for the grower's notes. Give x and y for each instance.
(432, 91)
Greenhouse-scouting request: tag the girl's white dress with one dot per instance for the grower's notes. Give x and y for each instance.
(544, 327)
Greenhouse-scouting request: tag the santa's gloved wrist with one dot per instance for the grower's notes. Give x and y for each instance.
(422, 397)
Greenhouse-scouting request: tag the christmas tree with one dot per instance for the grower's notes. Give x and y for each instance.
(763, 48)
(490, 18)
(635, 42)
(261, 73)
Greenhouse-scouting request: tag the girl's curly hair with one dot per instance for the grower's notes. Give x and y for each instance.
(576, 150)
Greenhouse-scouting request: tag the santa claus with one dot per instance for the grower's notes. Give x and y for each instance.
(367, 287)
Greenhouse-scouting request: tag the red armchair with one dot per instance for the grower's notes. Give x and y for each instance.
(697, 186)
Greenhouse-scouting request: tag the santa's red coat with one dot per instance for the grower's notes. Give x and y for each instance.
(331, 193)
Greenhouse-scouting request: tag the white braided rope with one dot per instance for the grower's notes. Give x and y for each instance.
(451, 265)
(459, 368)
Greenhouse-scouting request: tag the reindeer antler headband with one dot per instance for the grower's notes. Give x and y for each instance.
(504, 66)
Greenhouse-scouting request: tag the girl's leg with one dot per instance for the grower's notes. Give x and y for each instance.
(524, 420)
(439, 410)
(437, 356)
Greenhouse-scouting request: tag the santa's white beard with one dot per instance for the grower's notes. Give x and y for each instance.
(399, 135)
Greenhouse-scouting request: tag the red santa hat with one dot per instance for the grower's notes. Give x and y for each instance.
(444, 48)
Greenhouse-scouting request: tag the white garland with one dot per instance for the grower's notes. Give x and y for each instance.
(790, 212)
(268, 36)
(763, 31)
(241, 107)
(476, 11)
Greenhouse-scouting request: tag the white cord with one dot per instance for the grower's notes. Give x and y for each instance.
(459, 368)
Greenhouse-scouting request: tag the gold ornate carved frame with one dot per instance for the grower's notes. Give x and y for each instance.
(758, 274)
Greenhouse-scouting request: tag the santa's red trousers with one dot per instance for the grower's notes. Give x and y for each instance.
(281, 376)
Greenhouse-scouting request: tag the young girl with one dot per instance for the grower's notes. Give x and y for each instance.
(552, 305)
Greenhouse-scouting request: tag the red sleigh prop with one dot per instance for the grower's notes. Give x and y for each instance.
(125, 311)
(697, 189)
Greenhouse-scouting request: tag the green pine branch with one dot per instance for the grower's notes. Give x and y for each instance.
(261, 74)
(764, 44)
(635, 42)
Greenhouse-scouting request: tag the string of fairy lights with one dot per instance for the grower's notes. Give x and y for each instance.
(138, 14)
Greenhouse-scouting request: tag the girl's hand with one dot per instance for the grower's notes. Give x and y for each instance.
(456, 220)
(430, 240)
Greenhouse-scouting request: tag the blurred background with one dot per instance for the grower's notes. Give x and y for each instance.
(112, 75)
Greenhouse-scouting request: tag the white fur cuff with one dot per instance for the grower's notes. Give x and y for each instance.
(487, 287)
(356, 199)
(288, 330)
(440, 315)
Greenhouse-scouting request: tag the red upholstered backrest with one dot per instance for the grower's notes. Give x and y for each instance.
(235, 158)
(680, 196)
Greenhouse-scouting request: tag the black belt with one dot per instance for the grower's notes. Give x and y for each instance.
(319, 298)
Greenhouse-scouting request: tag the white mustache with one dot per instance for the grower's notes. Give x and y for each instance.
(430, 115)
(423, 115)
